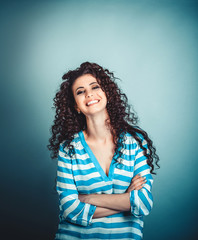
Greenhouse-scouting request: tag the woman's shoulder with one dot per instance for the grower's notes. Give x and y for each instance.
(74, 142)
(130, 139)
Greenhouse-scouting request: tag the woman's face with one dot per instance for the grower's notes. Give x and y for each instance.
(89, 96)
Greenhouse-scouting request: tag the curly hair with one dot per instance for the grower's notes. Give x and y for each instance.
(121, 119)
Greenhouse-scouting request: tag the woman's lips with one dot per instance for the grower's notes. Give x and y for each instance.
(94, 102)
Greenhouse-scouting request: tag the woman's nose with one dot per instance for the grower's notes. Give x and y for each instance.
(89, 94)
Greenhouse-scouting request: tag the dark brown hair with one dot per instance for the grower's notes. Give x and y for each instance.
(121, 119)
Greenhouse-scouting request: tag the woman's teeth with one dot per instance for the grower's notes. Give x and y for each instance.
(91, 102)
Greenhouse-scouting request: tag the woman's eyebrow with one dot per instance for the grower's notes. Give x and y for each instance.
(83, 87)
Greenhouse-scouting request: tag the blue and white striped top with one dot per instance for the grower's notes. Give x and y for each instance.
(82, 174)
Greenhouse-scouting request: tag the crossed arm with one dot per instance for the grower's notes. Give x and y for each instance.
(109, 204)
(80, 209)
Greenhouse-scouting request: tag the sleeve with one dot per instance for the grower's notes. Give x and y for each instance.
(71, 209)
(142, 200)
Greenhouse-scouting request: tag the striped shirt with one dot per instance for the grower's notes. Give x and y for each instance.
(82, 174)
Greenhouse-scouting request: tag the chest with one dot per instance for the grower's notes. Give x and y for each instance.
(104, 155)
(98, 172)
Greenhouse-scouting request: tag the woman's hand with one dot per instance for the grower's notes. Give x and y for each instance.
(136, 183)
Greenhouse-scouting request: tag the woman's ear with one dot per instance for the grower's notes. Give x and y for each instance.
(77, 109)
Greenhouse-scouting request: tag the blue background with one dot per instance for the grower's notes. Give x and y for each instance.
(152, 46)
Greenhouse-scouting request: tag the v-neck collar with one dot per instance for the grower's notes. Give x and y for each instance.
(95, 161)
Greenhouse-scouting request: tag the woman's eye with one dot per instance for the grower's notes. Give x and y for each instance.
(79, 92)
(95, 87)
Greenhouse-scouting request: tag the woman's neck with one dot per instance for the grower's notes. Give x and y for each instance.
(97, 129)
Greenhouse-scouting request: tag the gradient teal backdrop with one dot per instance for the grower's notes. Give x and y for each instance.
(152, 46)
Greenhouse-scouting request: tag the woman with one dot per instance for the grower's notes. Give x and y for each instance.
(105, 160)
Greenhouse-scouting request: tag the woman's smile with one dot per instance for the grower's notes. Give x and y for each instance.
(92, 102)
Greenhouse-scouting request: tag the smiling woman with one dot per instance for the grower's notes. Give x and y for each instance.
(105, 161)
(87, 93)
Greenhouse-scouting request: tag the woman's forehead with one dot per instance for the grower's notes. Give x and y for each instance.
(84, 80)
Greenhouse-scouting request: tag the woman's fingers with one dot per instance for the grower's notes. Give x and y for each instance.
(136, 183)
(136, 186)
(137, 180)
(136, 177)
